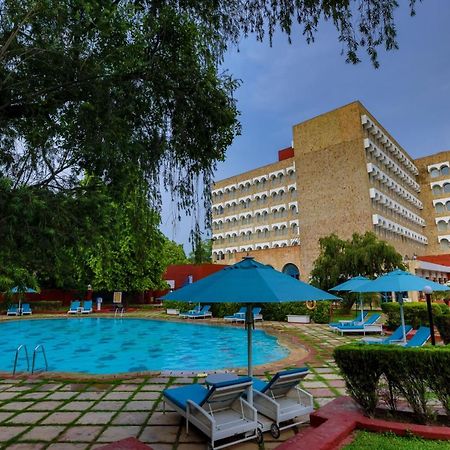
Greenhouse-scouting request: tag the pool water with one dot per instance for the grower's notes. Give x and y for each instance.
(107, 346)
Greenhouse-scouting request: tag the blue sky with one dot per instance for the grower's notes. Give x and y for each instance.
(286, 84)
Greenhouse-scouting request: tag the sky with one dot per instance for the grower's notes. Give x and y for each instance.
(287, 83)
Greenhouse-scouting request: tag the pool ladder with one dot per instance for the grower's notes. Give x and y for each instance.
(38, 347)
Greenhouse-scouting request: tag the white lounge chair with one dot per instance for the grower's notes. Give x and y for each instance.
(368, 326)
(87, 307)
(74, 307)
(219, 412)
(281, 400)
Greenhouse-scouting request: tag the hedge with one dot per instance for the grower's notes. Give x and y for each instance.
(41, 305)
(416, 314)
(442, 323)
(391, 372)
(270, 311)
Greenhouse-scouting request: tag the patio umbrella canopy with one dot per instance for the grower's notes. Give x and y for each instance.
(350, 286)
(399, 281)
(22, 290)
(249, 282)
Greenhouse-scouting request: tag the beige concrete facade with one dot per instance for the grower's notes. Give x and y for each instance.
(434, 179)
(346, 174)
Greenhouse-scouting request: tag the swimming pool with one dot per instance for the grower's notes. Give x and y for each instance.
(108, 346)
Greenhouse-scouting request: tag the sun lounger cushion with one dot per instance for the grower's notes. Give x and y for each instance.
(262, 386)
(180, 395)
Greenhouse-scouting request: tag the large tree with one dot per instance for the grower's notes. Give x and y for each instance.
(340, 259)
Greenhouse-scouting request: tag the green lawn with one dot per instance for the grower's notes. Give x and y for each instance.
(370, 441)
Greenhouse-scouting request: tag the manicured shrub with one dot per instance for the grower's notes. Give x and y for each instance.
(443, 325)
(361, 372)
(410, 373)
(416, 314)
(280, 311)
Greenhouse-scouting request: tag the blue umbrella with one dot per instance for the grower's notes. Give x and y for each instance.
(399, 281)
(351, 285)
(248, 281)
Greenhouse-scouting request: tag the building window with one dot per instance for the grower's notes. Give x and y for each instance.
(445, 170)
(445, 244)
(440, 208)
(435, 173)
(447, 188)
(291, 270)
(442, 226)
(437, 190)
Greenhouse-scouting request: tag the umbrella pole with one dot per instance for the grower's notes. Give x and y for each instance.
(402, 315)
(361, 304)
(249, 325)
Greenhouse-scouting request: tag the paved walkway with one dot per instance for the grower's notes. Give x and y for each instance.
(59, 415)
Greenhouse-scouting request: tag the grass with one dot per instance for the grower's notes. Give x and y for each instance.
(387, 441)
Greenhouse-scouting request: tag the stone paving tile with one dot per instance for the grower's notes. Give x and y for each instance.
(45, 406)
(90, 396)
(82, 433)
(61, 395)
(43, 433)
(49, 387)
(169, 418)
(26, 446)
(5, 415)
(193, 437)
(27, 417)
(77, 406)
(331, 376)
(9, 432)
(323, 401)
(147, 395)
(166, 434)
(337, 383)
(33, 396)
(117, 433)
(321, 392)
(130, 418)
(324, 370)
(61, 418)
(169, 447)
(159, 380)
(67, 446)
(126, 387)
(139, 405)
(153, 387)
(313, 384)
(19, 388)
(117, 396)
(16, 406)
(8, 395)
(108, 405)
(95, 418)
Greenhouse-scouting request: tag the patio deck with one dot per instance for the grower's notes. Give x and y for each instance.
(40, 413)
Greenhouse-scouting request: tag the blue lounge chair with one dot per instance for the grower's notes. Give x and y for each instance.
(354, 322)
(26, 310)
(420, 338)
(281, 400)
(368, 326)
(202, 314)
(219, 412)
(87, 307)
(395, 338)
(256, 315)
(196, 309)
(74, 307)
(235, 316)
(13, 310)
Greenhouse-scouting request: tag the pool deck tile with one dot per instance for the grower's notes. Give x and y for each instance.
(108, 405)
(126, 387)
(77, 406)
(61, 395)
(34, 396)
(169, 418)
(5, 416)
(152, 387)
(95, 418)
(139, 405)
(116, 433)
(117, 396)
(8, 395)
(16, 406)
(130, 418)
(161, 434)
(61, 418)
(46, 405)
(148, 395)
(67, 446)
(43, 433)
(26, 446)
(90, 395)
(9, 432)
(82, 433)
(27, 418)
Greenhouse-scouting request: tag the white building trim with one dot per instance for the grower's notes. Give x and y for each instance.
(380, 221)
(438, 166)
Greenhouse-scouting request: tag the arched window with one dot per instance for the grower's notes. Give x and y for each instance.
(291, 270)
(447, 205)
(435, 173)
(445, 244)
(437, 190)
(440, 208)
(447, 188)
(445, 170)
(442, 225)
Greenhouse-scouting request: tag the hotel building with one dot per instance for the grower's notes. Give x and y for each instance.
(344, 173)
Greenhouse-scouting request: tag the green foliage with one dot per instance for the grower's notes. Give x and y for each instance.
(416, 314)
(341, 259)
(410, 373)
(388, 441)
(201, 251)
(280, 311)
(173, 253)
(443, 325)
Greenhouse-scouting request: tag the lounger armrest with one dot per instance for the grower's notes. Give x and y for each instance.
(265, 402)
(248, 410)
(193, 410)
(303, 397)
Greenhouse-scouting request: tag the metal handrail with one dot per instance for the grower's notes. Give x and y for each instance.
(39, 346)
(17, 357)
